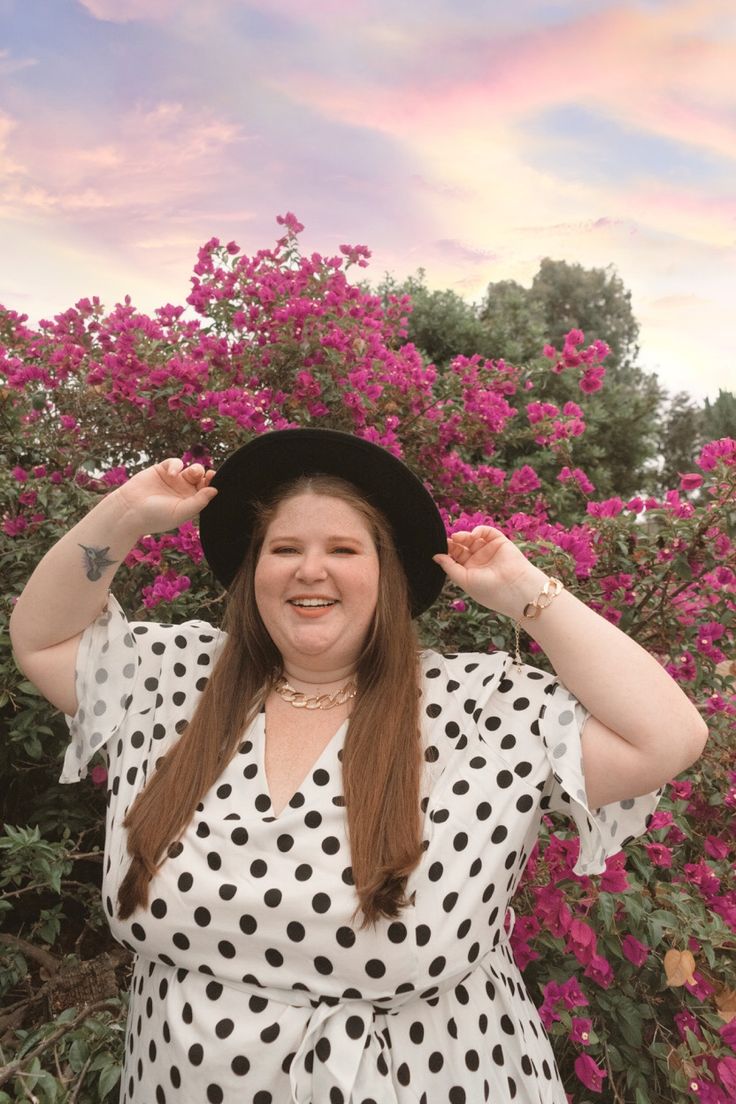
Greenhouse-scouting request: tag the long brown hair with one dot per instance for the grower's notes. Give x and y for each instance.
(382, 759)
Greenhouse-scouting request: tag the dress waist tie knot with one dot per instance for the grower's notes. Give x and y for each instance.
(344, 1056)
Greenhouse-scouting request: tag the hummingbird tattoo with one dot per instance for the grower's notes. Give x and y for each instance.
(96, 560)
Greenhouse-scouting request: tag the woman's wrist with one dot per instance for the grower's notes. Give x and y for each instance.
(522, 591)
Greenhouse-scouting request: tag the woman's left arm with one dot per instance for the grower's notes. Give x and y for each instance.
(643, 730)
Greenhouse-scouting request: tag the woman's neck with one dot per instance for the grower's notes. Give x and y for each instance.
(317, 682)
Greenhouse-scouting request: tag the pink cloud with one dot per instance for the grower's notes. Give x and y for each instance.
(128, 11)
(154, 162)
(452, 250)
(9, 64)
(667, 69)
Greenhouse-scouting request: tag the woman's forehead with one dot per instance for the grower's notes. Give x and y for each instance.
(315, 510)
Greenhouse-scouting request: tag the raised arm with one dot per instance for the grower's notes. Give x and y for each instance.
(643, 730)
(69, 587)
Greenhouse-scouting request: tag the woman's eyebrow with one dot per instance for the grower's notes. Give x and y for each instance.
(330, 539)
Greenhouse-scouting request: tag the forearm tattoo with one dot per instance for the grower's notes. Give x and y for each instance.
(95, 560)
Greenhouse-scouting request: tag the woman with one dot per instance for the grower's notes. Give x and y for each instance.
(318, 908)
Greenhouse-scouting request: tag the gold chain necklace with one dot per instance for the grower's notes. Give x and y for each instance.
(317, 701)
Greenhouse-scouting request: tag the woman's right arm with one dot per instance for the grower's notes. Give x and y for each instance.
(69, 588)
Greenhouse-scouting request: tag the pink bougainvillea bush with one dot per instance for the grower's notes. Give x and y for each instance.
(634, 971)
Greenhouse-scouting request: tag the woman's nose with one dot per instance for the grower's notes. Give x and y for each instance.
(311, 566)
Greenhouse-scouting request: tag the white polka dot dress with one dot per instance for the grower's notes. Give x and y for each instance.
(250, 983)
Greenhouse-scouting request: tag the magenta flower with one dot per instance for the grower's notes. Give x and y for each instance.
(165, 588)
(610, 507)
(614, 878)
(98, 776)
(690, 481)
(592, 379)
(716, 848)
(660, 819)
(699, 987)
(572, 994)
(524, 481)
(728, 1033)
(356, 254)
(19, 474)
(705, 1092)
(724, 449)
(600, 971)
(554, 912)
(659, 855)
(291, 222)
(13, 527)
(581, 940)
(635, 951)
(115, 477)
(589, 1073)
(580, 1030)
(685, 1021)
(536, 411)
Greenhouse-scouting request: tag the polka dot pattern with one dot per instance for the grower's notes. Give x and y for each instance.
(251, 983)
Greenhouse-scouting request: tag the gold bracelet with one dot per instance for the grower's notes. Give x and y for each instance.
(550, 590)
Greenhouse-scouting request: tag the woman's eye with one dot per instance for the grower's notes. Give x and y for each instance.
(350, 551)
(286, 548)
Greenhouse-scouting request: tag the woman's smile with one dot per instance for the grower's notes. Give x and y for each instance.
(312, 606)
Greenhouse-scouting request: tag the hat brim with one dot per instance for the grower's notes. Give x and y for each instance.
(254, 472)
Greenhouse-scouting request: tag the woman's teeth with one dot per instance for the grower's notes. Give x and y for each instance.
(312, 602)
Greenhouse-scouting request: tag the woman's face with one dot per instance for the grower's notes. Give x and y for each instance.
(316, 582)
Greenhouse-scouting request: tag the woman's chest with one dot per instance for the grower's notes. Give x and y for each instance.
(291, 748)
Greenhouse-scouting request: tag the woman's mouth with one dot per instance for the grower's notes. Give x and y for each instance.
(312, 607)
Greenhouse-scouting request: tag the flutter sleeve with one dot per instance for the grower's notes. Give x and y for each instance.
(105, 679)
(604, 831)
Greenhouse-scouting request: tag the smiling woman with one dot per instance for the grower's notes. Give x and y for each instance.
(314, 827)
(316, 584)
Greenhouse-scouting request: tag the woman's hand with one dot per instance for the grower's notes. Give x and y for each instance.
(491, 570)
(166, 495)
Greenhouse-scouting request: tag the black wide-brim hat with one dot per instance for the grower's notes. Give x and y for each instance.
(254, 473)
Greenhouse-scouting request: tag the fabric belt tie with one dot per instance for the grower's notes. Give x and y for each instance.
(343, 1057)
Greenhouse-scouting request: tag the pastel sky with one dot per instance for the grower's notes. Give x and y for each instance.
(469, 137)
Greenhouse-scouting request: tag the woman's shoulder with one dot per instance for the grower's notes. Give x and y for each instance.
(178, 634)
(467, 661)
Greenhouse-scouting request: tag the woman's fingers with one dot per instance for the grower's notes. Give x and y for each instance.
(193, 473)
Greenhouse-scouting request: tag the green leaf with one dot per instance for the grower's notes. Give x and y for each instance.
(27, 687)
(49, 1086)
(606, 907)
(631, 1027)
(108, 1080)
(682, 568)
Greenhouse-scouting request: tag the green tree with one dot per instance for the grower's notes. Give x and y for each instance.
(719, 417)
(681, 435)
(441, 324)
(593, 300)
(514, 323)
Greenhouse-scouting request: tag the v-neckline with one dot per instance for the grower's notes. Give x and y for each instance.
(307, 781)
